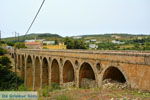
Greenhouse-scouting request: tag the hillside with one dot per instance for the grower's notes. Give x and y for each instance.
(46, 36)
(110, 37)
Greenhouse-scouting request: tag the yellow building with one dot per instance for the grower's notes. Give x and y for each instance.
(60, 46)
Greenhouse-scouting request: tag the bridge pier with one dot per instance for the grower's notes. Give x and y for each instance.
(77, 78)
(61, 76)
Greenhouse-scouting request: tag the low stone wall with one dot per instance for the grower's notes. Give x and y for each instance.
(68, 84)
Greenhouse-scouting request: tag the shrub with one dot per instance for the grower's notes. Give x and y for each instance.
(64, 97)
(45, 91)
(22, 88)
(55, 86)
(5, 62)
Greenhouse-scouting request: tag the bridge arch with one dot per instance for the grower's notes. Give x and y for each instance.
(23, 67)
(68, 72)
(37, 81)
(86, 71)
(45, 72)
(29, 72)
(114, 73)
(55, 72)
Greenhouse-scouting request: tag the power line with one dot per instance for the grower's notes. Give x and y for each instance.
(34, 18)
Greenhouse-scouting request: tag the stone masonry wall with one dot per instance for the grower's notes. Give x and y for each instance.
(135, 66)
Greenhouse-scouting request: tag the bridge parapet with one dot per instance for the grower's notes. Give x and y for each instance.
(132, 57)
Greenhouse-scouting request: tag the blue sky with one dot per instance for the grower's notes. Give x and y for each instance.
(75, 17)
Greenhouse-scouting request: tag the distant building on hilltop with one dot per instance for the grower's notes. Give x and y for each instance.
(93, 46)
(49, 42)
(41, 44)
(33, 45)
(29, 40)
(76, 37)
(93, 40)
(117, 42)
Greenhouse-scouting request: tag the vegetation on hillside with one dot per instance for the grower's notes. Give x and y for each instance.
(129, 42)
(19, 45)
(103, 41)
(9, 80)
(74, 43)
(22, 38)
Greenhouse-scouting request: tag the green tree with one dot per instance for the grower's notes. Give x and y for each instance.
(79, 44)
(69, 43)
(8, 78)
(10, 43)
(74, 43)
(2, 51)
(56, 42)
(20, 45)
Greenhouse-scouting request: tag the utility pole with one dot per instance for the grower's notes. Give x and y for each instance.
(15, 36)
(18, 37)
(0, 35)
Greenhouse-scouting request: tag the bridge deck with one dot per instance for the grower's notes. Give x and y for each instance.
(116, 52)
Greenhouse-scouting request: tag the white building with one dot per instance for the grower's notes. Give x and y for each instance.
(29, 40)
(87, 41)
(93, 40)
(49, 42)
(117, 42)
(93, 46)
(76, 37)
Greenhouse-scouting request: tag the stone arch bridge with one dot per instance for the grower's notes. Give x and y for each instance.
(43, 67)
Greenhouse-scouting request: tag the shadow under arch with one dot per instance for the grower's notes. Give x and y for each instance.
(55, 74)
(115, 74)
(86, 72)
(37, 73)
(13, 55)
(18, 61)
(45, 71)
(68, 72)
(29, 72)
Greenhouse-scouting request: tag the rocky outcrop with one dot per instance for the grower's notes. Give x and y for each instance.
(108, 83)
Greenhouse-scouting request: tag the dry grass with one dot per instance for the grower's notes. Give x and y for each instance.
(96, 94)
